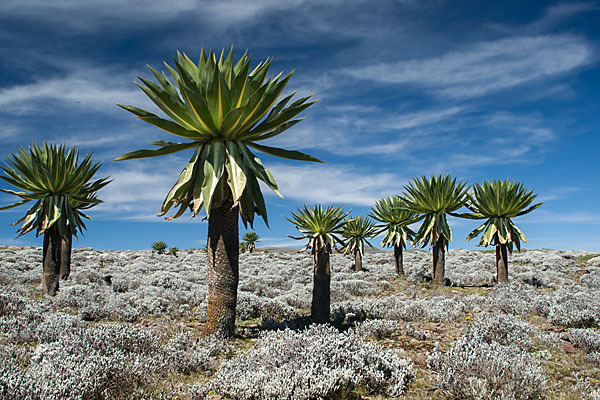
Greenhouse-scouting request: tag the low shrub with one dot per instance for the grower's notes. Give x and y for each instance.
(315, 363)
(479, 368)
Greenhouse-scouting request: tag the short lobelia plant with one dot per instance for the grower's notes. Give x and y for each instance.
(61, 187)
(356, 231)
(395, 220)
(249, 241)
(432, 199)
(173, 251)
(223, 109)
(159, 247)
(320, 226)
(499, 202)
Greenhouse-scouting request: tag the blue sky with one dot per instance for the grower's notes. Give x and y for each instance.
(479, 90)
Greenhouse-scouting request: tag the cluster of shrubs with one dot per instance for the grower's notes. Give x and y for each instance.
(50, 345)
(49, 355)
(490, 361)
(315, 363)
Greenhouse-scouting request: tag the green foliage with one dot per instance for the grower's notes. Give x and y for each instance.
(432, 199)
(320, 226)
(223, 108)
(59, 184)
(249, 241)
(395, 219)
(586, 258)
(356, 231)
(499, 202)
(173, 251)
(159, 247)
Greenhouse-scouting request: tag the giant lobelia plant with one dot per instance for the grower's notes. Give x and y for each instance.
(321, 226)
(394, 220)
(249, 241)
(223, 110)
(61, 188)
(499, 202)
(356, 232)
(432, 199)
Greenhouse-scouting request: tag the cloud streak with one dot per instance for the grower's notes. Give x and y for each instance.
(344, 184)
(486, 67)
(81, 86)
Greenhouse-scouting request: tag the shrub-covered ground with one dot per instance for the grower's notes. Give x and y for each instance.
(128, 324)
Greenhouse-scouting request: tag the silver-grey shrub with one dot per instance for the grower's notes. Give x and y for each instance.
(589, 341)
(592, 278)
(311, 364)
(101, 362)
(573, 307)
(503, 329)
(251, 306)
(187, 354)
(377, 328)
(479, 368)
(436, 309)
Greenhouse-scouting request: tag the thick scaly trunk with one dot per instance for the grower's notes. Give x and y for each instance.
(51, 261)
(398, 260)
(65, 256)
(439, 261)
(501, 263)
(321, 299)
(251, 250)
(357, 261)
(223, 269)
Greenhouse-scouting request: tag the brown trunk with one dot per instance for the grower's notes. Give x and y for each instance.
(501, 263)
(357, 261)
(51, 261)
(321, 299)
(398, 260)
(223, 270)
(65, 256)
(439, 261)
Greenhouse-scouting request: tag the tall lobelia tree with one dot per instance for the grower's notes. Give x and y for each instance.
(432, 199)
(356, 231)
(223, 109)
(249, 241)
(499, 202)
(61, 187)
(394, 220)
(321, 227)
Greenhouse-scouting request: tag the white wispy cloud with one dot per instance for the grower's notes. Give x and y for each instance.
(555, 14)
(138, 188)
(533, 127)
(91, 15)
(280, 242)
(486, 67)
(353, 130)
(326, 183)
(541, 216)
(420, 118)
(557, 193)
(83, 86)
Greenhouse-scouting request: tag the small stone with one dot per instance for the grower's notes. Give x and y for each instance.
(431, 326)
(569, 348)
